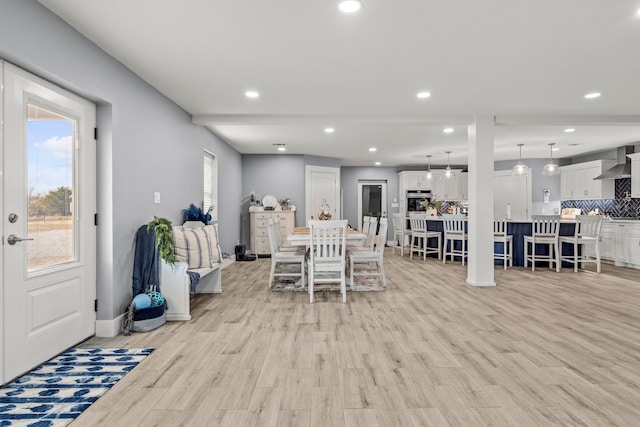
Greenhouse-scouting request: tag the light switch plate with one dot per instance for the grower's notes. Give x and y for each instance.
(156, 197)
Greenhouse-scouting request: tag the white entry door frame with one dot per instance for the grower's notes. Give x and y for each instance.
(364, 185)
(322, 191)
(48, 185)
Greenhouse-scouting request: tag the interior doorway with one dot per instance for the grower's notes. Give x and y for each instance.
(372, 200)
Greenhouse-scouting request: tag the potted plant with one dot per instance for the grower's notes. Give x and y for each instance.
(285, 204)
(164, 238)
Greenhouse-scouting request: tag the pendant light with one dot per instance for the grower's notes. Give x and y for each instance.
(520, 168)
(448, 173)
(428, 176)
(551, 168)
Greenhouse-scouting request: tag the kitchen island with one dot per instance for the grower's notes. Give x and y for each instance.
(620, 240)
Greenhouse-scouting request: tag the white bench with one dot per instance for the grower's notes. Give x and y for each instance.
(175, 285)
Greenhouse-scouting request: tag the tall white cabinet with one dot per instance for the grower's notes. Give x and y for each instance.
(259, 235)
(635, 174)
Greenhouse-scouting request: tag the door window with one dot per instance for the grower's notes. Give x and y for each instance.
(51, 138)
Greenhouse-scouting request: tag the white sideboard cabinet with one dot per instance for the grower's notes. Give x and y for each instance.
(259, 235)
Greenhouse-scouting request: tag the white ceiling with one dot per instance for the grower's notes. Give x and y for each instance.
(527, 62)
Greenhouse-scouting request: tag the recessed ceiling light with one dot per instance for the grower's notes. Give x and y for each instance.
(329, 130)
(252, 94)
(593, 95)
(423, 95)
(569, 130)
(350, 6)
(448, 130)
(377, 163)
(372, 149)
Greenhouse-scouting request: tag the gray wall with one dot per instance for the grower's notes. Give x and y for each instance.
(146, 143)
(279, 175)
(349, 180)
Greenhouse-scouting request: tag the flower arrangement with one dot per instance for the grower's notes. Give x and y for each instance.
(194, 213)
(285, 204)
(325, 211)
(434, 204)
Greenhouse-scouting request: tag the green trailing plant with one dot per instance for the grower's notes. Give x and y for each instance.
(164, 238)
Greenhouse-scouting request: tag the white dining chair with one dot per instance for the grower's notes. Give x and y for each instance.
(420, 237)
(374, 256)
(400, 230)
(454, 231)
(545, 231)
(327, 241)
(280, 259)
(587, 233)
(370, 241)
(500, 235)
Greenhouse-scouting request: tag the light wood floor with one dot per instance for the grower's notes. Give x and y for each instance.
(538, 349)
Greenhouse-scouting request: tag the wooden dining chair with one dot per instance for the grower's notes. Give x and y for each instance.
(454, 231)
(327, 254)
(420, 236)
(373, 256)
(545, 231)
(587, 233)
(400, 230)
(282, 258)
(500, 235)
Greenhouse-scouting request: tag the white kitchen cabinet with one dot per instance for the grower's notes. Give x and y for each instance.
(448, 190)
(635, 174)
(577, 183)
(628, 245)
(607, 245)
(260, 237)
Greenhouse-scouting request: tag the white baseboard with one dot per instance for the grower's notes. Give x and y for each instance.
(480, 284)
(109, 328)
(227, 262)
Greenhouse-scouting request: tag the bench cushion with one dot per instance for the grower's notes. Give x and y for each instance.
(198, 247)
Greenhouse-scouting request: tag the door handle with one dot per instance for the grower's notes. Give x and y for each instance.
(12, 239)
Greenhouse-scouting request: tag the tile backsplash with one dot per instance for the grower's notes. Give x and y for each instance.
(621, 206)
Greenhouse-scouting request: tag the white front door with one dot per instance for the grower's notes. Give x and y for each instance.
(49, 236)
(322, 188)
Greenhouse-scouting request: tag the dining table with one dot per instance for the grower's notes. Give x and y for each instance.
(300, 237)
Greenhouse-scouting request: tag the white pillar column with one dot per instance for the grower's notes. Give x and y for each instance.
(480, 270)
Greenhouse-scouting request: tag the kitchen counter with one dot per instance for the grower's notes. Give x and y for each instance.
(521, 228)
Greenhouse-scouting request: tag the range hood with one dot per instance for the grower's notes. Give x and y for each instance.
(623, 168)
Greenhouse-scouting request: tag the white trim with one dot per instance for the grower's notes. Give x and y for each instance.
(480, 284)
(109, 328)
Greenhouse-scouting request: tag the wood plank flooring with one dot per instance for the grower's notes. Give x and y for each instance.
(539, 349)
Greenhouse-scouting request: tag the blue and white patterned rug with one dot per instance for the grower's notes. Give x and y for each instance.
(55, 393)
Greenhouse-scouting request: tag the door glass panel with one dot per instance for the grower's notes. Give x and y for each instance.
(372, 200)
(50, 188)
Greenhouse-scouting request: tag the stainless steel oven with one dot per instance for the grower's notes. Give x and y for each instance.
(415, 199)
